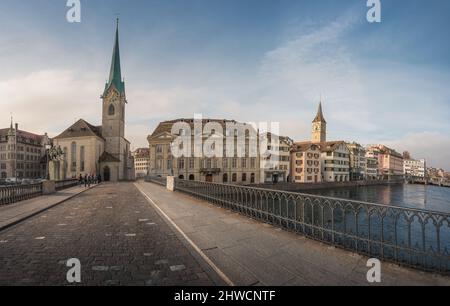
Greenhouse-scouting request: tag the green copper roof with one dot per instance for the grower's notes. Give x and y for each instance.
(115, 75)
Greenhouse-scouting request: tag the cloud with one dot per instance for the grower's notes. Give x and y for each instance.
(433, 146)
(49, 100)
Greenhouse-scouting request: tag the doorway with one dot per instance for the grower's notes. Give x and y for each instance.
(106, 174)
(209, 178)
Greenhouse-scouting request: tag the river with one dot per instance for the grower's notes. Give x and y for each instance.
(413, 196)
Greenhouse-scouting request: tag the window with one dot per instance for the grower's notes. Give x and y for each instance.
(82, 158)
(159, 149)
(234, 165)
(244, 177)
(191, 163)
(73, 159)
(225, 178)
(244, 163)
(234, 178)
(111, 110)
(181, 163)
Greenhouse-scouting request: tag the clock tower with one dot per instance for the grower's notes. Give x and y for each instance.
(319, 127)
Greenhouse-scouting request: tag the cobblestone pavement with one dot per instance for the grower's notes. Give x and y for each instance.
(114, 232)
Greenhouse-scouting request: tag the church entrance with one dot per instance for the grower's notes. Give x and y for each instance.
(106, 174)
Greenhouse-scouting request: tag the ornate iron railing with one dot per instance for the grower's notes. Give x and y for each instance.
(13, 194)
(157, 180)
(409, 237)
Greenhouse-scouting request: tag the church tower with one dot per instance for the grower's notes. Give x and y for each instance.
(113, 114)
(319, 127)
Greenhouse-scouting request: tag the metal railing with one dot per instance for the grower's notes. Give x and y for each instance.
(13, 194)
(157, 180)
(409, 237)
(64, 184)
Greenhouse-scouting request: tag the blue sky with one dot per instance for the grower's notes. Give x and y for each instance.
(250, 60)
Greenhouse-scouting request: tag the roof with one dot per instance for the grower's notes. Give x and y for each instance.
(81, 129)
(303, 146)
(166, 126)
(319, 116)
(141, 153)
(115, 74)
(23, 134)
(328, 146)
(108, 158)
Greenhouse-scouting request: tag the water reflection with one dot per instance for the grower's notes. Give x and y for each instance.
(413, 196)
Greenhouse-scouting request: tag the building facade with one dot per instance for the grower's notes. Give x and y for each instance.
(276, 170)
(335, 162)
(358, 162)
(238, 169)
(141, 159)
(103, 150)
(390, 162)
(306, 163)
(415, 168)
(22, 154)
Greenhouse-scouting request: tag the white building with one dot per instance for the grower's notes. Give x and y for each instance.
(141, 161)
(415, 168)
(335, 161)
(276, 169)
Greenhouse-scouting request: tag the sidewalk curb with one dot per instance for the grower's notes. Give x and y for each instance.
(7, 226)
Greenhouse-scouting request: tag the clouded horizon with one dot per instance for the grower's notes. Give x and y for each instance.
(248, 60)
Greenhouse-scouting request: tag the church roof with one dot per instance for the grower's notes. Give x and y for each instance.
(108, 158)
(81, 129)
(319, 116)
(115, 74)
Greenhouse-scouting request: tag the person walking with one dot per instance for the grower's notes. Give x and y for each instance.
(85, 181)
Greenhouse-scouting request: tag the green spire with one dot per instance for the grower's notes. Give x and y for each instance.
(115, 75)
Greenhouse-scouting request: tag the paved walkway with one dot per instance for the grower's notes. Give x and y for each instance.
(15, 213)
(252, 253)
(118, 237)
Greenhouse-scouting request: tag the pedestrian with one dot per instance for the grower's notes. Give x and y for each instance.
(85, 180)
(99, 178)
(80, 180)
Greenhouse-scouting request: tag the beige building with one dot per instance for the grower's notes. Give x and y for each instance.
(103, 150)
(226, 169)
(306, 163)
(390, 162)
(276, 169)
(23, 156)
(358, 161)
(141, 159)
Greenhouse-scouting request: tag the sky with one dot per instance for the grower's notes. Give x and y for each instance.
(248, 60)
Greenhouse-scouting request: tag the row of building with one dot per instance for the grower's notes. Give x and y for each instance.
(312, 161)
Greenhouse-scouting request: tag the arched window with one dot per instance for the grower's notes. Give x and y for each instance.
(234, 177)
(111, 110)
(73, 159)
(225, 178)
(244, 177)
(191, 177)
(252, 178)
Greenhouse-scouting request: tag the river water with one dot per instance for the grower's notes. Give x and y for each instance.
(413, 196)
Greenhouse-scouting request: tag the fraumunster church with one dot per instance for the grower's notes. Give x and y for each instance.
(103, 150)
